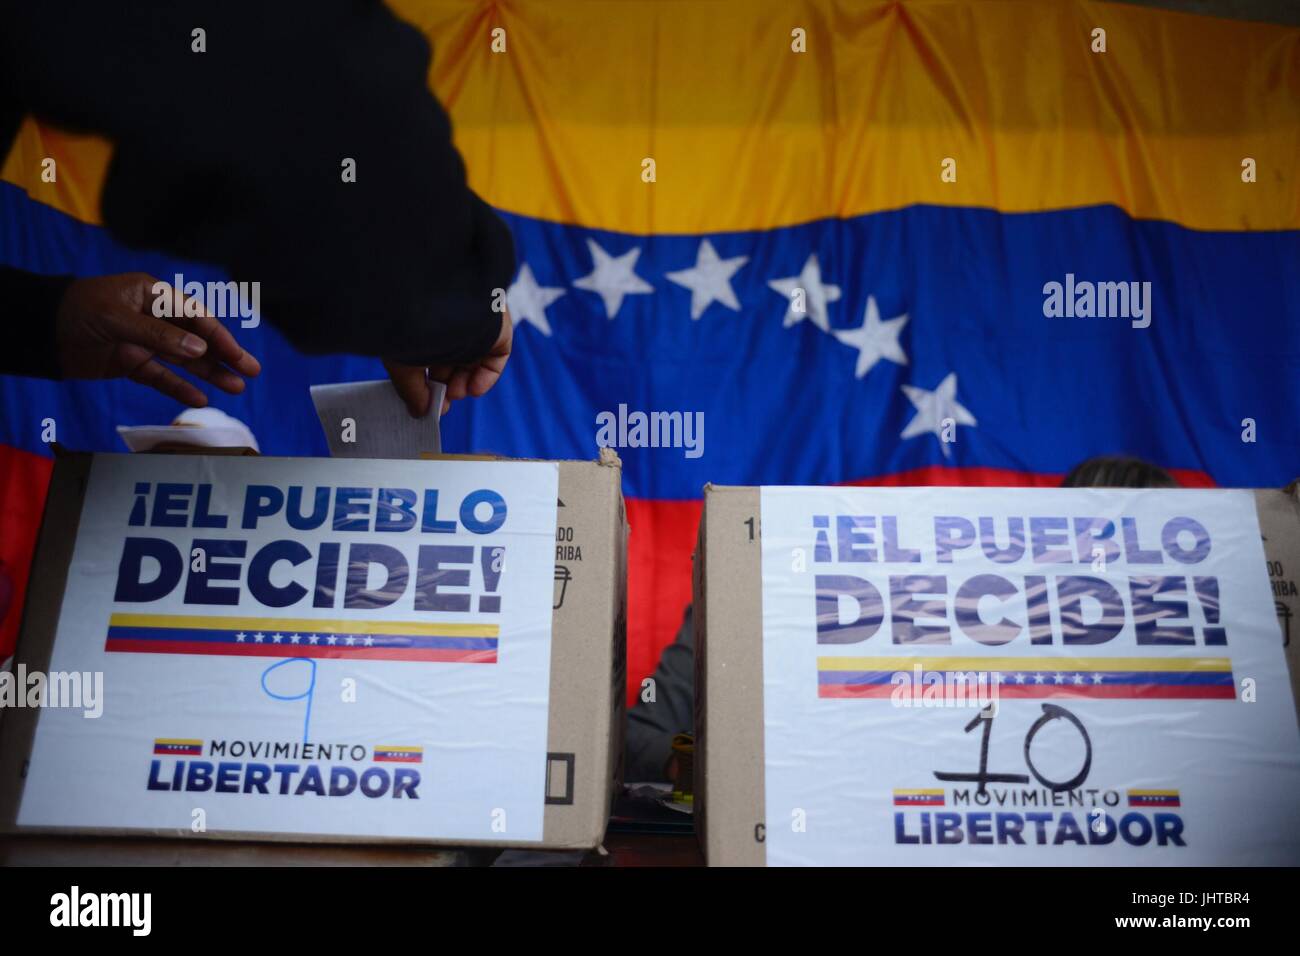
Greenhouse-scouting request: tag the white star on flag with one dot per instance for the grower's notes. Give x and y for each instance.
(710, 279)
(874, 340)
(528, 300)
(816, 296)
(933, 409)
(612, 277)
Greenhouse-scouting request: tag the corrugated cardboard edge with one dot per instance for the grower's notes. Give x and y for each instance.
(574, 727)
(1279, 523)
(729, 804)
(53, 556)
(589, 635)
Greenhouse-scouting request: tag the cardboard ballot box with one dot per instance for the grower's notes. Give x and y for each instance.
(323, 650)
(948, 676)
(1279, 525)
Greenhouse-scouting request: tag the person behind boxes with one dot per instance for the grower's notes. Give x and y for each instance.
(295, 144)
(1117, 472)
(652, 724)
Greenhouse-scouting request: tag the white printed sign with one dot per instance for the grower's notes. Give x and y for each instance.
(356, 648)
(1027, 676)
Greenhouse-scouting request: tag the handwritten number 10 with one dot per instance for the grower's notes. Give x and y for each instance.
(983, 777)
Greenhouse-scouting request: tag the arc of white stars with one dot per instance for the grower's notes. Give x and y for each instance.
(528, 301)
(874, 339)
(817, 295)
(612, 277)
(933, 408)
(709, 279)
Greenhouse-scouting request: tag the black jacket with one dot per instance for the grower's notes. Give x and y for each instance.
(234, 156)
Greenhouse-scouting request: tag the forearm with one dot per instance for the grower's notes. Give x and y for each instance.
(237, 156)
(29, 304)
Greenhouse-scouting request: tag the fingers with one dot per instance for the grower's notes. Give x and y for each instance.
(190, 314)
(156, 335)
(504, 340)
(481, 379)
(153, 373)
(412, 387)
(213, 371)
(461, 381)
(458, 384)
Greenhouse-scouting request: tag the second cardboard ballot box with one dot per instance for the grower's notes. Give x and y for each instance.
(948, 676)
(330, 650)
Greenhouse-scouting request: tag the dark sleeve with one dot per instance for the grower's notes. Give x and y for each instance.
(235, 156)
(651, 725)
(28, 303)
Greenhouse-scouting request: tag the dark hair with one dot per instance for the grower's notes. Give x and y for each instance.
(1118, 472)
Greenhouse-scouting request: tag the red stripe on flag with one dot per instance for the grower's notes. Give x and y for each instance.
(24, 480)
(659, 552)
(945, 475)
(298, 650)
(1147, 692)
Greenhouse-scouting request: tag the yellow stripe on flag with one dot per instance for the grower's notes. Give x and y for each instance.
(409, 628)
(747, 134)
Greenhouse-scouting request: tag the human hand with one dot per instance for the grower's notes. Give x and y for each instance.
(412, 381)
(105, 327)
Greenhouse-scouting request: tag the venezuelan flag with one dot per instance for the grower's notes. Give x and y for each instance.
(1154, 798)
(169, 747)
(676, 174)
(919, 798)
(976, 679)
(386, 754)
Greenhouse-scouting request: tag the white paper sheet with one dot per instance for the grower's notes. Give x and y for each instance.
(381, 427)
(1129, 638)
(382, 670)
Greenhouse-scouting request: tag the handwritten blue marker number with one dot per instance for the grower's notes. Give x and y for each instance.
(306, 694)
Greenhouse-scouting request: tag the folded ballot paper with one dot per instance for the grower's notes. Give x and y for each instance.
(369, 420)
(194, 427)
